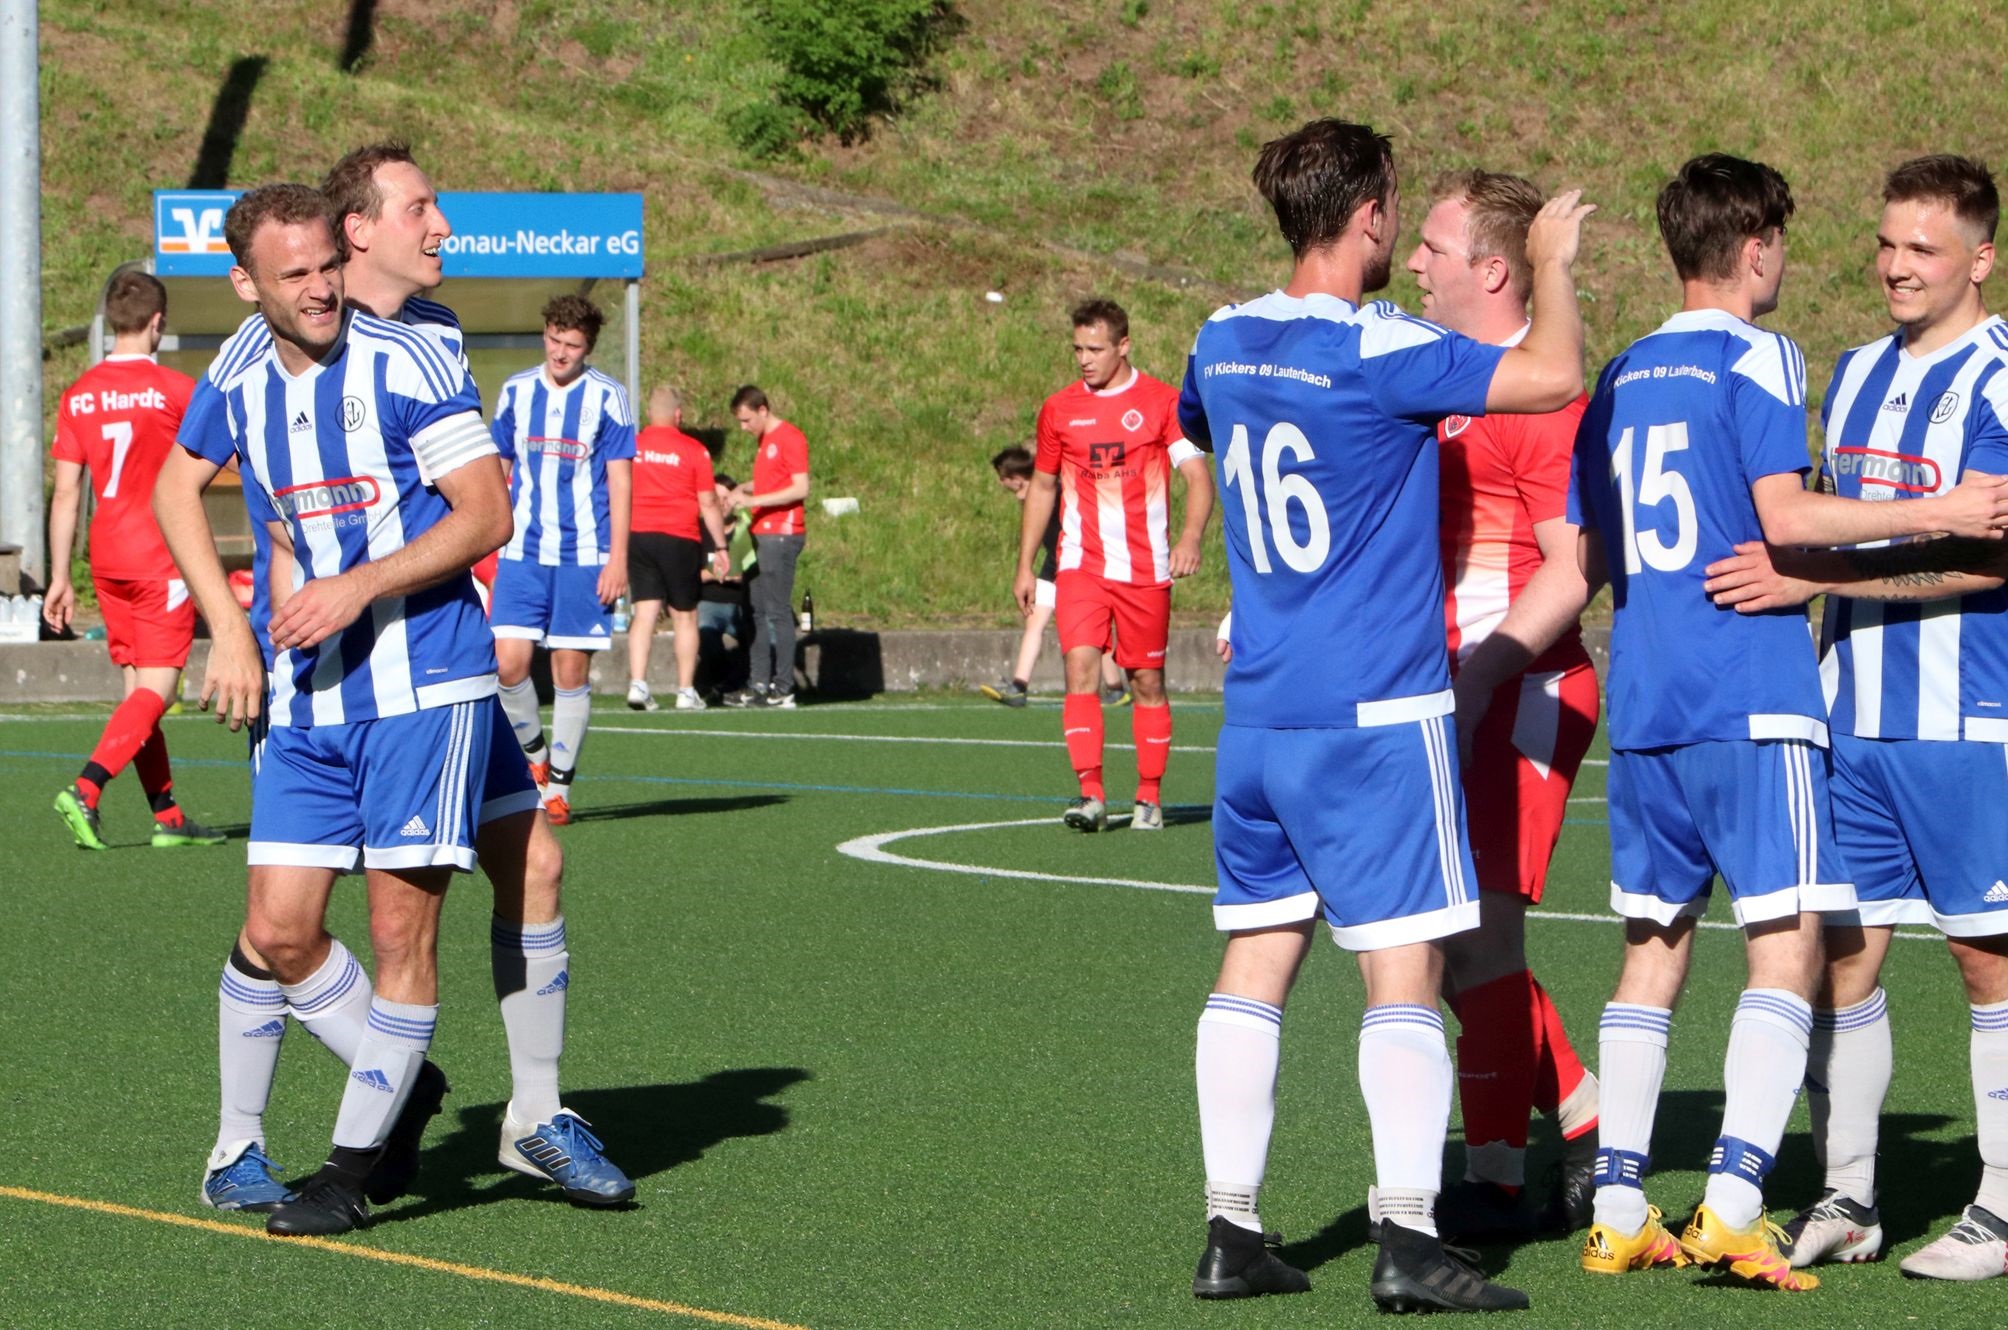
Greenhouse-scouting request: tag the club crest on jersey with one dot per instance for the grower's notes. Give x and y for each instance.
(1132, 420)
(325, 498)
(354, 413)
(1455, 425)
(1106, 456)
(1942, 410)
(1877, 466)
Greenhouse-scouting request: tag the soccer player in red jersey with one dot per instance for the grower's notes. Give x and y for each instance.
(1107, 445)
(119, 421)
(673, 495)
(1526, 710)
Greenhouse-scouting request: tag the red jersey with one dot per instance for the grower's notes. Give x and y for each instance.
(1501, 475)
(1113, 452)
(119, 420)
(671, 470)
(781, 455)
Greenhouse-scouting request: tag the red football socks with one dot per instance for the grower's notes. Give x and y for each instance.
(1559, 1070)
(134, 721)
(1152, 727)
(1496, 1056)
(1081, 725)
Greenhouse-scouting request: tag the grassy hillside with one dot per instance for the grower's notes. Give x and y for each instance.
(1065, 149)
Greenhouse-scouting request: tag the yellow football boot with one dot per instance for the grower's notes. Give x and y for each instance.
(1609, 1252)
(1750, 1253)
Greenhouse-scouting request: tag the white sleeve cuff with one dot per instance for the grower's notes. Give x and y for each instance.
(447, 445)
(1226, 628)
(1185, 450)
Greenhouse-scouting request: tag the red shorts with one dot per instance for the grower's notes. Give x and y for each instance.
(148, 622)
(1088, 606)
(1524, 759)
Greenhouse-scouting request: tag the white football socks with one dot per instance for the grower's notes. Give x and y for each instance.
(1847, 1076)
(1631, 1065)
(519, 703)
(386, 1065)
(532, 973)
(1406, 1080)
(1761, 1075)
(570, 710)
(1989, 1052)
(250, 1024)
(1240, 1046)
(334, 1002)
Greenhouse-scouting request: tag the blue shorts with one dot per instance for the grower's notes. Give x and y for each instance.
(1367, 823)
(1924, 826)
(556, 604)
(404, 791)
(1753, 810)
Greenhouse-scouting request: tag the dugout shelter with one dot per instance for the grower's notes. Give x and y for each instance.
(509, 253)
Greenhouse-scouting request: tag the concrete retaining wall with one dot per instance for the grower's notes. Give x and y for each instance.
(836, 662)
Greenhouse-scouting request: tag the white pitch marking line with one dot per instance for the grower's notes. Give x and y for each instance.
(871, 738)
(872, 849)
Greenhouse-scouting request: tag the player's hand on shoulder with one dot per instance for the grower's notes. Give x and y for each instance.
(317, 611)
(1977, 507)
(1750, 583)
(1185, 558)
(1557, 230)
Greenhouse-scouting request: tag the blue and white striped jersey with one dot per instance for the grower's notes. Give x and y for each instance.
(1683, 422)
(346, 455)
(1322, 416)
(1898, 427)
(559, 441)
(205, 416)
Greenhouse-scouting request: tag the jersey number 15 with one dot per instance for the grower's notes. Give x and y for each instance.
(1656, 485)
(1279, 491)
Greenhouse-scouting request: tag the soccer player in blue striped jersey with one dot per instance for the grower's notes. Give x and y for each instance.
(567, 432)
(365, 441)
(391, 230)
(1916, 674)
(1322, 413)
(1694, 442)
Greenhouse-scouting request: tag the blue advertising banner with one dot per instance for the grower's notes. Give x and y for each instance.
(494, 235)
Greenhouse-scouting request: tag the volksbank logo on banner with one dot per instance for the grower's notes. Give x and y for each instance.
(494, 235)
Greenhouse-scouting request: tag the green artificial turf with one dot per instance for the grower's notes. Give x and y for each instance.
(852, 1094)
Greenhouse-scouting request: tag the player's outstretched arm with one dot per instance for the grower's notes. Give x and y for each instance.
(1545, 372)
(59, 602)
(234, 681)
(1757, 577)
(1185, 555)
(1791, 514)
(1034, 514)
(479, 523)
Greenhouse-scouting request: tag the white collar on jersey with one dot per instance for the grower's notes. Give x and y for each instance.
(1519, 336)
(1964, 339)
(1703, 320)
(1128, 384)
(123, 356)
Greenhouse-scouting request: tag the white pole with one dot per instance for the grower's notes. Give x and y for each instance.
(634, 348)
(21, 288)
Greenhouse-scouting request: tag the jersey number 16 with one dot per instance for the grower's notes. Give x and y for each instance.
(1280, 491)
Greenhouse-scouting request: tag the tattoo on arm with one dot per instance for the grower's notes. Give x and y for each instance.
(1922, 563)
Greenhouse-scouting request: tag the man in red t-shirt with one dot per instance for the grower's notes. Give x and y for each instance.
(777, 498)
(1107, 445)
(673, 500)
(119, 421)
(1526, 711)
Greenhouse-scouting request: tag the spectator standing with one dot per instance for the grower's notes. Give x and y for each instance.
(777, 499)
(674, 498)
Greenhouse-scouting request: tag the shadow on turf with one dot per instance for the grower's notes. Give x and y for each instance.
(675, 807)
(648, 1129)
